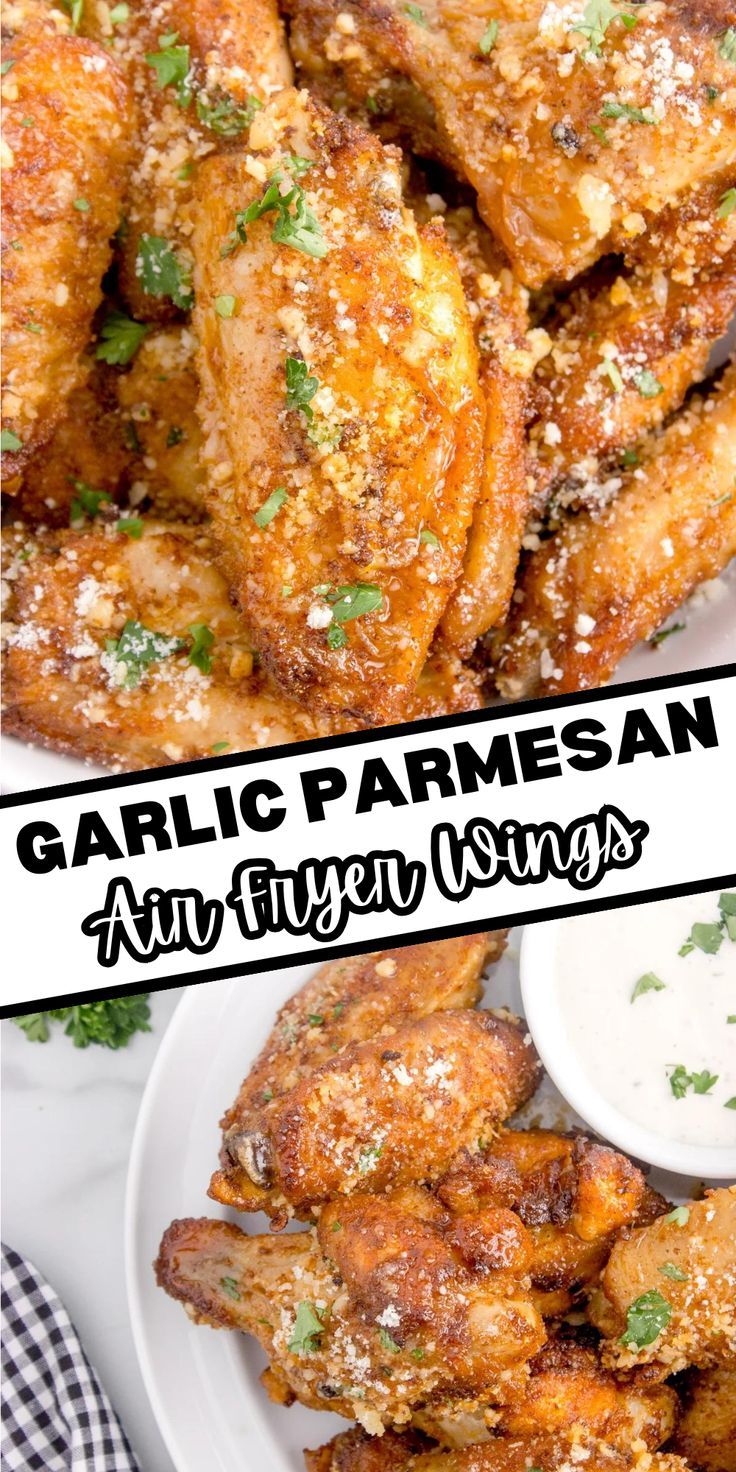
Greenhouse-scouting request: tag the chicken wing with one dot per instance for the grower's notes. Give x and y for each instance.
(355, 1452)
(66, 126)
(381, 1113)
(685, 1315)
(574, 126)
(572, 1194)
(627, 348)
(383, 1313)
(199, 71)
(341, 406)
(349, 1001)
(611, 576)
(706, 1432)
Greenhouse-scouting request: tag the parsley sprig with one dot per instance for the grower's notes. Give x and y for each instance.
(120, 338)
(295, 223)
(172, 66)
(161, 273)
(597, 17)
(646, 1317)
(301, 387)
(111, 1024)
(219, 112)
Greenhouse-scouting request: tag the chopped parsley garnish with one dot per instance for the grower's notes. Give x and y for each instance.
(353, 600)
(613, 373)
(217, 749)
(202, 641)
(648, 384)
(300, 387)
(86, 502)
(138, 647)
(647, 983)
(489, 38)
(82, 205)
(671, 1270)
(727, 48)
(120, 14)
(732, 1017)
(679, 1216)
(416, 13)
(185, 172)
(172, 65)
(387, 1342)
(613, 109)
(647, 1316)
(120, 338)
(308, 1329)
(315, 1019)
(700, 1083)
(130, 437)
(174, 436)
(597, 17)
(6, 67)
(663, 634)
(111, 1024)
(429, 537)
(160, 272)
(230, 1287)
(337, 1226)
(271, 505)
(706, 937)
(730, 1103)
(132, 526)
(703, 1082)
(727, 907)
(75, 11)
(225, 305)
(727, 204)
(32, 327)
(267, 1094)
(300, 229)
(600, 134)
(368, 1157)
(224, 116)
(9, 441)
(336, 637)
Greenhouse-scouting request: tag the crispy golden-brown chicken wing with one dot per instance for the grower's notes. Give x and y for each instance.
(611, 576)
(199, 72)
(66, 135)
(355, 1452)
(572, 1194)
(706, 1432)
(575, 127)
(348, 1001)
(341, 405)
(389, 1314)
(381, 1113)
(627, 347)
(685, 1315)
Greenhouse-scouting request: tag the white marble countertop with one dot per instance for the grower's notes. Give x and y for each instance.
(67, 1125)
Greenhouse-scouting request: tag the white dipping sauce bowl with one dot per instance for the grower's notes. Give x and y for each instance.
(538, 972)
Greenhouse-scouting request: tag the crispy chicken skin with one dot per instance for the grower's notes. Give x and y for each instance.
(353, 1451)
(353, 999)
(384, 1112)
(405, 1318)
(701, 1330)
(610, 576)
(627, 347)
(571, 153)
(706, 1431)
(572, 1194)
(237, 58)
(72, 592)
(391, 445)
(66, 130)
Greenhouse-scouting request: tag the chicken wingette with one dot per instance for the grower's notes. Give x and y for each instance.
(706, 1430)
(355, 1452)
(66, 140)
(611, 575)
(381, 1113)
(383, 1309)
(576, 124)
(342, 413)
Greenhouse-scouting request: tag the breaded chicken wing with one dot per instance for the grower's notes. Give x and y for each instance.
(381, 1113)
(66, 142)
(89, 451)
(706, 1431)
(381, 1314)
(355, 1452)
(572, 1194)
(340, 402)
(576, 128)
(199, 72)
(627, 348)
(349, 1001)
(686, 1315)
(610, 576)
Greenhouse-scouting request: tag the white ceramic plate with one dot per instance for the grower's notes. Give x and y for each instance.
(203, 1384)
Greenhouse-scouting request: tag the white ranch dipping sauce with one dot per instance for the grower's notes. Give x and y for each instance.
(629, 1049)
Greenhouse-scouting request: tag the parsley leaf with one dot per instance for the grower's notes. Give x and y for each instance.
(160, 272)
(225, 305)
(416, 13)
(613, 109)
(663, 634)
(670, 1270)
(727, 907)
(730, 1103)
(368, 1157)
(9, 441)
(703, 1082)
(301, 230)
(7, 66)
(647, 983)
(727, 204)
(707, 938)
(647, 1316)
(648, 385)
(489, 38)
(230, 1287)
(597, 17)
(172, 65)
(613, 373)
(224, 116)
(679, 1081)
(132, 526)
(120, 14)
(81, 204)
(87, 502)
(353, 600)
(300, 387)
(429, 537)
(727, 48)
(271, 505)
(111, 1024)
(336, 637)
(138, 647)
(202, 641)
(75, 11)
(120, 338)
(308, 1329)
(679, 1215)
(387, 1342)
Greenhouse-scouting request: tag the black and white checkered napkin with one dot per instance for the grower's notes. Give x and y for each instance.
(56, 1416)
